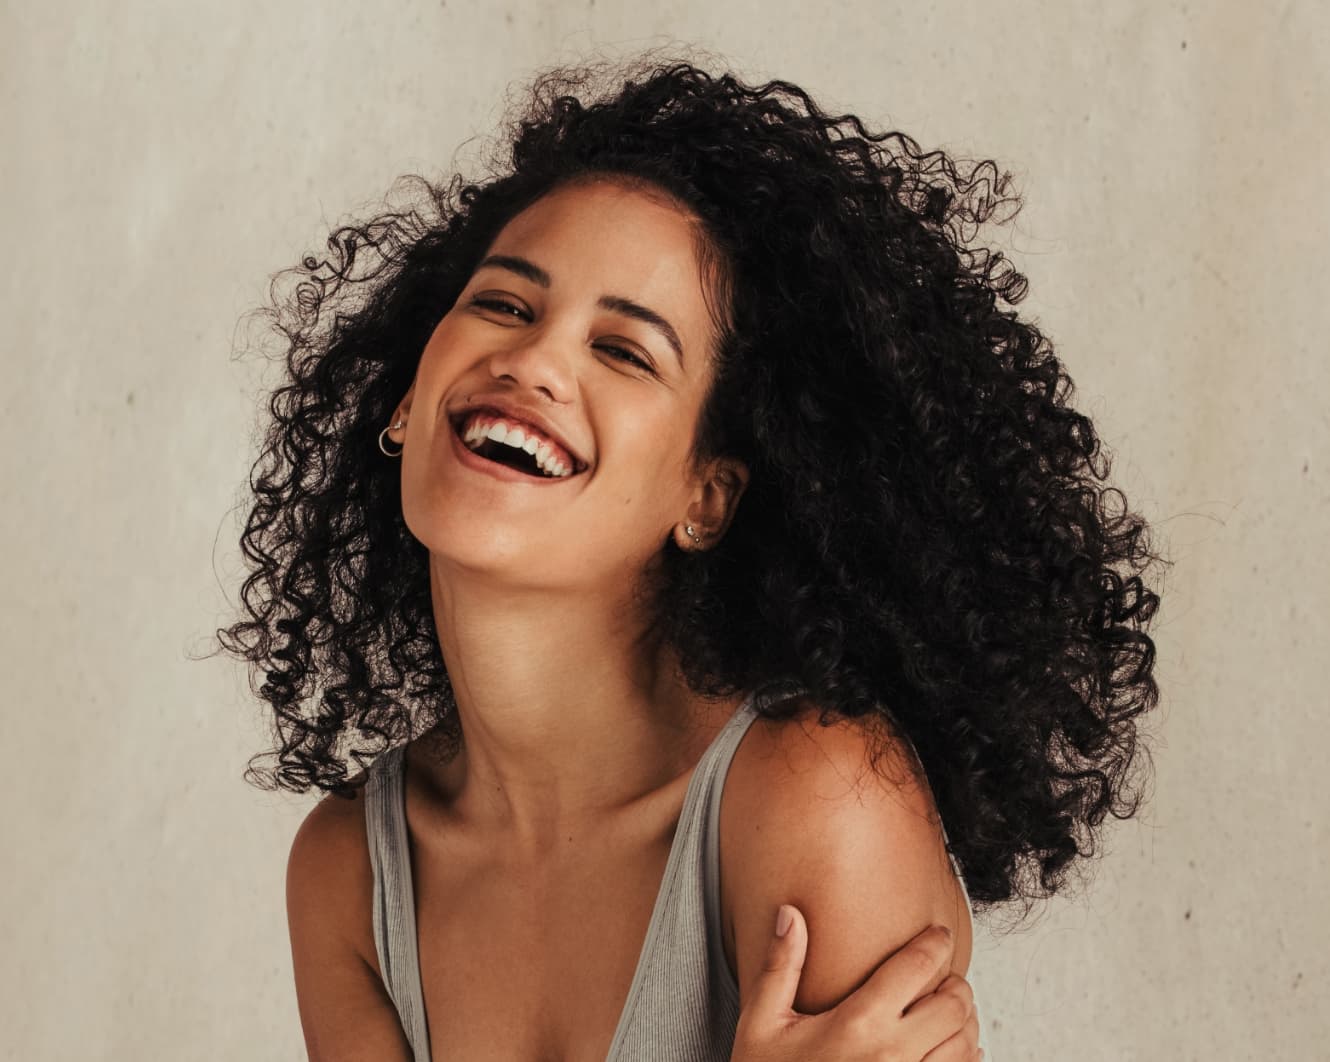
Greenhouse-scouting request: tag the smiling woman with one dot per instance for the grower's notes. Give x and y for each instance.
(741, 539)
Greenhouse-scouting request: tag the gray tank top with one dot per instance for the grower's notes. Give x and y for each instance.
(683, 1003)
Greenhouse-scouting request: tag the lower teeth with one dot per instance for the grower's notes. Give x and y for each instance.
(541, 473)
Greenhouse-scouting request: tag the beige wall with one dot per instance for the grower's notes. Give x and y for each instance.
(160, 161)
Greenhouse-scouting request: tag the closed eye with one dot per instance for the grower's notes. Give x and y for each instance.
(624, 355)
(499, 306)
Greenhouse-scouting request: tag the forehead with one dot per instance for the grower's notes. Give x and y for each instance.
(603, 237)
(611, 211)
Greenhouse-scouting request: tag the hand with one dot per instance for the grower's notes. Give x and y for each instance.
(890, 1018)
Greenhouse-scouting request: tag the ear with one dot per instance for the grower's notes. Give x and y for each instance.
(401, 415)
(714, 505)
(404, 406)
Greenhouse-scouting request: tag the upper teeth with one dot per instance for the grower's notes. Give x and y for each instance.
(477, 432)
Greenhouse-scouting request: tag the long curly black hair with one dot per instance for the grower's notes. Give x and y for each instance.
(927, 536)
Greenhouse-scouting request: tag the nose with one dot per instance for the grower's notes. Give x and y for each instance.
(538, 360)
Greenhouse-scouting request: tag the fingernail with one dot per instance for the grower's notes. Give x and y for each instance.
(784, 919)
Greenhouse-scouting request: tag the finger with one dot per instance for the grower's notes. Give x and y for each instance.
(778, 982)
(957, 984)
(942, 1018)
(947, 1019)
(963, 1047)
(907, 975)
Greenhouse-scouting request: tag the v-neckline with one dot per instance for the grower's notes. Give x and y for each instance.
(691, 797)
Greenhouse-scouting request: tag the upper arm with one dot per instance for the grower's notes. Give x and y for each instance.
(345, 1010)
(809, 821)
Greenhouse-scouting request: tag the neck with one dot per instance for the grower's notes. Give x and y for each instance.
(570, 714)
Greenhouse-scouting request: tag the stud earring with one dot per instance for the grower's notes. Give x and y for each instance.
(688, 530)
(391, 427)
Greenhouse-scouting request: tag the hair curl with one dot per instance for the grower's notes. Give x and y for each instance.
(925, 536)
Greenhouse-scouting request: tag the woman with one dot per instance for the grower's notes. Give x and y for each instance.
(723, 472)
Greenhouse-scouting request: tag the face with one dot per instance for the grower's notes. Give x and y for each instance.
(588, 316)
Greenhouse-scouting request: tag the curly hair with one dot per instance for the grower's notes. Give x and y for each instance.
(927, 538)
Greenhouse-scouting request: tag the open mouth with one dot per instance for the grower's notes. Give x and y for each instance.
(512, 457)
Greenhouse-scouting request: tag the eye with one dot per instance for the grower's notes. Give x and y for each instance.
(499, 306)
(624, 355)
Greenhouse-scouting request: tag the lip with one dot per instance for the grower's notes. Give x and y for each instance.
(492, 468)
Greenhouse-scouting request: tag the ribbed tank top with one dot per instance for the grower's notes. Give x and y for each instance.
(683, 1002)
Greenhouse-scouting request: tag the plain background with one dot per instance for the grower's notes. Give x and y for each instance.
(160, 162)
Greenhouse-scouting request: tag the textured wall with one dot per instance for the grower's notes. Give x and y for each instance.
(160, 161)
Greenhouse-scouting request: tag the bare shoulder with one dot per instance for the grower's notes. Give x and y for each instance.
(329, 879)
(345, 1010)
(839, 821)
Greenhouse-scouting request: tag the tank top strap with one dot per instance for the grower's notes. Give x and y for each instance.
(715, 764)
(394, 897)
(715, 769)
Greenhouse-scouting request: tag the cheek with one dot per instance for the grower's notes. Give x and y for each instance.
(441, 340)
(657, 477)
(436, 363)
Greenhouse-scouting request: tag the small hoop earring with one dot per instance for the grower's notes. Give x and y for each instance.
(391, 427)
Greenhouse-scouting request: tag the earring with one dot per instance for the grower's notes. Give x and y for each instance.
(688, 530)
(391, 427)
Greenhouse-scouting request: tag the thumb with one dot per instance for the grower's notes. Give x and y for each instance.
(776, 985)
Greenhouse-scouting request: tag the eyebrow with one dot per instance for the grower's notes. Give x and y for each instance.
(614, 303)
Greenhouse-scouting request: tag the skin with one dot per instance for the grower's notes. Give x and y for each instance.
(585, 717)
(579, 733)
